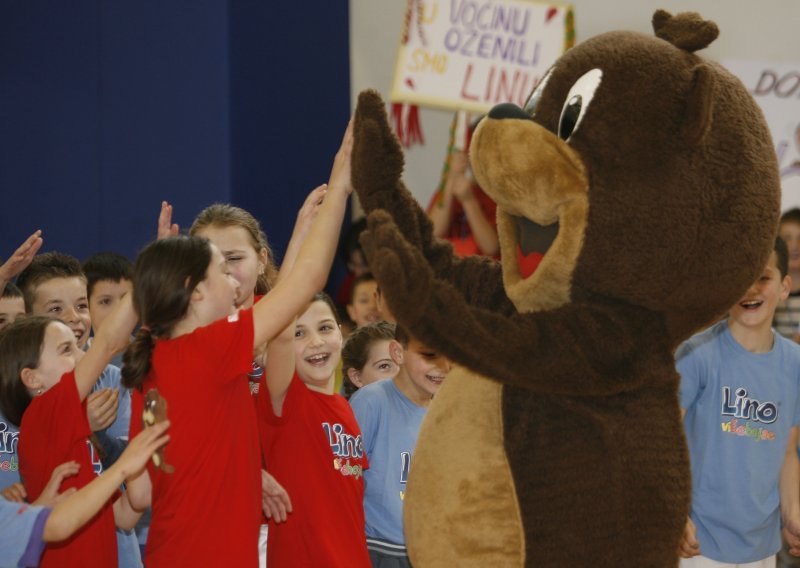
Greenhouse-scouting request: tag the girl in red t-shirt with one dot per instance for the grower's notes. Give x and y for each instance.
(313, 445)
(207, 511)
(44, 380)
(241, 240)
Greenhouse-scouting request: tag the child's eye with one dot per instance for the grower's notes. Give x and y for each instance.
(105, 301)
(384, 366)
(54, 310)
(326, 327)
(298, 333)
(83, 307)
(234, 258)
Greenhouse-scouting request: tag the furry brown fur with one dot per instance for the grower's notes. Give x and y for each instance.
(557, 441)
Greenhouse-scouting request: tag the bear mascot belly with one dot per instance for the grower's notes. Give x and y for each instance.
(643, 180)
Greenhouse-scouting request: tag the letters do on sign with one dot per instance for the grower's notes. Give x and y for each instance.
(472, 54)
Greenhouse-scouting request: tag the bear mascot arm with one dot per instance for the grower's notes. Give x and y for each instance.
(379, 160)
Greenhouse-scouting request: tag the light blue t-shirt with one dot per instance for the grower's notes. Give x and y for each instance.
(127, 541)
(740, 408)
(21, 531)
(389, 423)
(112, 378)
(9, 463)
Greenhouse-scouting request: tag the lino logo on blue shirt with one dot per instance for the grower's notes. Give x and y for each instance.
(747, 408)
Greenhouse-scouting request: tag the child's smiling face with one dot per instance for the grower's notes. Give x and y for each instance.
(60, 354)
(65, 298)
(318, 345)
(757, 307)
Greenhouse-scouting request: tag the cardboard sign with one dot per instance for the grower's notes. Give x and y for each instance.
(473, 54)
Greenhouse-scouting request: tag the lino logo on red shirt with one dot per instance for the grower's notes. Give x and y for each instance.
(344, 446)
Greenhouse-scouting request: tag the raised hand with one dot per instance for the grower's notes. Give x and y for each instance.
(21, 258)
(166, 228)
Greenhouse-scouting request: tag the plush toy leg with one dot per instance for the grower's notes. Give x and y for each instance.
(461, 506)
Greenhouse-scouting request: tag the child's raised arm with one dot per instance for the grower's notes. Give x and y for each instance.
(113, 336)
(310, 271)
(280, 353)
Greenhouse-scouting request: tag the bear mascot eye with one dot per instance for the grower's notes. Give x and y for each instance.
(577, 103)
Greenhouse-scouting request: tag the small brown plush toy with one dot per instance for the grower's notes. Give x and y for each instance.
(155, 412)
(637, 198)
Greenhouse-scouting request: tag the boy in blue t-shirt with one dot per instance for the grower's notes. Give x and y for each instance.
(390, 413)
(740, 395)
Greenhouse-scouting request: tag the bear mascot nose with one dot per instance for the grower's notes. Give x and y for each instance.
(508, 110)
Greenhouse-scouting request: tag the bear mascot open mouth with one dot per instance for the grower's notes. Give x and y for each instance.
(637, 198)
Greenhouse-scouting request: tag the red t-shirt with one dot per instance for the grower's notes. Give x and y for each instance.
(208, 512)
(459, 232)
(55, 430)
(315, 451)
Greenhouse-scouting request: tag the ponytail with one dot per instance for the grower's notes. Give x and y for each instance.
(136, 360)
(164, 276)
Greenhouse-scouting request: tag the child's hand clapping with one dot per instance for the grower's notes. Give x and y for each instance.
(101, 408)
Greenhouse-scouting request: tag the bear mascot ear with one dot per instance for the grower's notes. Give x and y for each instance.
(699, 106)
(690, 32)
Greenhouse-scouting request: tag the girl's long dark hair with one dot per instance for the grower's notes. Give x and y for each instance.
(21, 344)
(164, 276)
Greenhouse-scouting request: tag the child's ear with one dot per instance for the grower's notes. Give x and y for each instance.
(263, 257)
(396, 351)
(355, 377)
(30, 380)
(786, 287)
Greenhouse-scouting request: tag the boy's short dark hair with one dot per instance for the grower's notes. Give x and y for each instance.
(350, 239)
(110, 266)
(45, 267)
(401, 335)
(366, 277)
(782, 256)
(791, 216)
(10, 290)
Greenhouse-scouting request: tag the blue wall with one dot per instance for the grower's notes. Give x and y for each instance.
(107, 108)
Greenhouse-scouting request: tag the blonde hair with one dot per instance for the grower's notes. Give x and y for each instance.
(227, 215)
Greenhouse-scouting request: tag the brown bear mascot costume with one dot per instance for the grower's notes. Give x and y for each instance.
(637, 198)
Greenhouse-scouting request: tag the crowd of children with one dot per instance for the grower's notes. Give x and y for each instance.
(220, 436)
